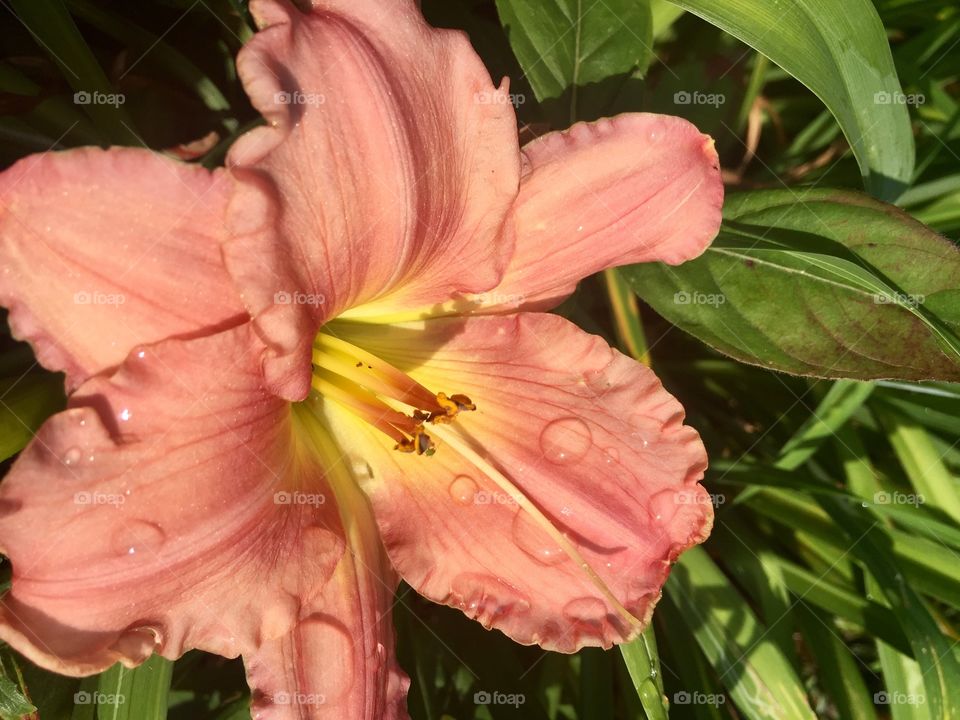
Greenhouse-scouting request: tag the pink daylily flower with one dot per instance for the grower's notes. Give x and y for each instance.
(325, 368)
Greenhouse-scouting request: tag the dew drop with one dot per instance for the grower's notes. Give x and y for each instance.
(463, 489)
(535, 541)
(72, 456)
(279, 618)
(328, 639)
(125, 415)
(137, 537)
(486, 598)
(663, 505)
(566, 440)
(612, 456)
(586, 609)
(138, 643)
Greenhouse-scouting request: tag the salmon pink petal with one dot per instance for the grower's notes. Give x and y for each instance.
(338, 661)
(102, 250)
(385, 174)
(157, 513)
(634, 188)
(553, 511)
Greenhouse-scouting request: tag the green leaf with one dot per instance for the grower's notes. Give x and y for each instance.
(760, 679)
(836, 667)
(578, 54)
(823, 283)
(153, 49)
(873, 546)
(138, 694)
(921, 461)
(643, 664)
(902, 678)
(13, 704)
(842, 400)
(839, 49)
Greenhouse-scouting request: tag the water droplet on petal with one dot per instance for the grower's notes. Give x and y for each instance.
(663, 505)
(586, 610)
(72, 456)
(463, 489)
(138, 643)
(566, 440)
(535, 541)
(125, 415)
(138, 537)
(328, 639)
(279, 618)
(486, 598)
(612, 456)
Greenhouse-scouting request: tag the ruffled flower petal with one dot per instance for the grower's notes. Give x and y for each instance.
(102, 250)
(384, 176)
(553, 511)
(338, 661)
(634, 188)
(170, 507)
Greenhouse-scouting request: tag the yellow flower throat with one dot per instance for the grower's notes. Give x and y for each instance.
(379, 393)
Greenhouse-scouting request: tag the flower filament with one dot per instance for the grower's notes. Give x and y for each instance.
(382, 395)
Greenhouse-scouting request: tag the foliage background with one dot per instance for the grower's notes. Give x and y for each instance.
(831, 585)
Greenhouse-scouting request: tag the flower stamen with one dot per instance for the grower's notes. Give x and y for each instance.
(382, 395)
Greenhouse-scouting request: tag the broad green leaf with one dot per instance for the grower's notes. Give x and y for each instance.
(138, 694)
(578, 54)
(839, 49)
(823, 283)
(761, 681)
